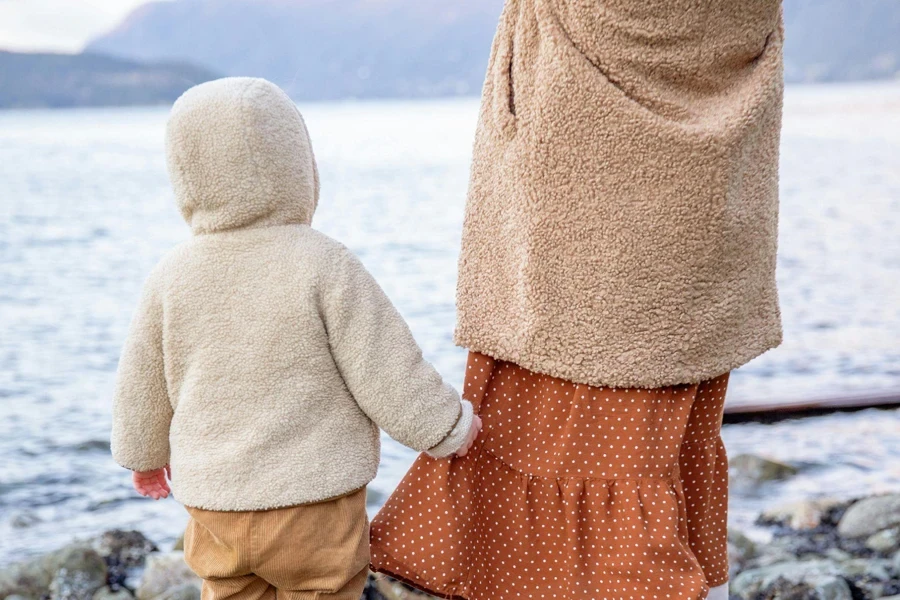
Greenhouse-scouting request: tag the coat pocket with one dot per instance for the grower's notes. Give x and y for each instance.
(500, 83)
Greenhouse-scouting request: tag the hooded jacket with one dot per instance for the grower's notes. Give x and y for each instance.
(263, 356)
(621, 225)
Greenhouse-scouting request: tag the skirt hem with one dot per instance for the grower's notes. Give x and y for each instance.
(386, 570)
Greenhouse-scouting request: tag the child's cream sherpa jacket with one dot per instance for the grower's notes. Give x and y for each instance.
(263, 356)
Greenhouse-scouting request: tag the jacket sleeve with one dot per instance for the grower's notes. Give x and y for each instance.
(142, 411)
(383, 367)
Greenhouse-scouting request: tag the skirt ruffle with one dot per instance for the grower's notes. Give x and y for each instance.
(554, 501)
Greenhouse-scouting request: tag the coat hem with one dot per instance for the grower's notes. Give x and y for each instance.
(611, 378)
(318, 499)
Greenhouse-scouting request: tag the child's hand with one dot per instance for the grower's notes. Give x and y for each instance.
(473, 434)
(153, 484)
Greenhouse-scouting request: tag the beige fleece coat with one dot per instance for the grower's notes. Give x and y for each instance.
(263, 356)
(622, 217)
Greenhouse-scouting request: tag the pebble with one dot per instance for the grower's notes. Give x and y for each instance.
(105, 593)
(870, 515)
(751, 470)
(810, 580)
(185, 591)
(164, 572)
(124, 552)
(884, 542)
(82, 571)
(805, 514)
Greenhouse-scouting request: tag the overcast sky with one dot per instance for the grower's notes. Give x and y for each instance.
(58, 25)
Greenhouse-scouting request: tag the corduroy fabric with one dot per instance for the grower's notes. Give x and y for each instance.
(263, 357)
(312, 552)
(621, 225)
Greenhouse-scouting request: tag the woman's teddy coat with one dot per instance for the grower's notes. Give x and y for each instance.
(622, 218)
(263, 356)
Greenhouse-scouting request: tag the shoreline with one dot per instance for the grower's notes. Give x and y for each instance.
(818, 549)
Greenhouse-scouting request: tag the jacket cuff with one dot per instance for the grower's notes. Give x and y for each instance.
(457, 436)
(140, 466)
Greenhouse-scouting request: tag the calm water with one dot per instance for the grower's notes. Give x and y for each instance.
(86, 210)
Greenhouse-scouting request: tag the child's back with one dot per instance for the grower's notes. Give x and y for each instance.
(263, 356)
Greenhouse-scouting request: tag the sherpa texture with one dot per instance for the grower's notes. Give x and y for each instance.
(622, 218)
(263, 354)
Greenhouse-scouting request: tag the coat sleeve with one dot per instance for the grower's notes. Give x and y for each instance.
(383, 367)
(142, 411)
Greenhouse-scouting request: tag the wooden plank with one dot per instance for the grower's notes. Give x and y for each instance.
(770, 412)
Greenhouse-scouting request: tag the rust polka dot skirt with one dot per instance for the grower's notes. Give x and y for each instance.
(571, 492)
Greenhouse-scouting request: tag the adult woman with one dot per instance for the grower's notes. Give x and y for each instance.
(618, 262)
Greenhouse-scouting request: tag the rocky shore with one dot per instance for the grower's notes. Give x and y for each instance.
(820, 549)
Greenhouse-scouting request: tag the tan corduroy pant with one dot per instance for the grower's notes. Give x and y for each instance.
(309, 552)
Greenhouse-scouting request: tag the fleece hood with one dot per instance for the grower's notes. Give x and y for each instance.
(239, 156)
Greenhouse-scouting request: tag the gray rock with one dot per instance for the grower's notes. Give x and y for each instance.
(105, 593)
(378, 588)
(742, 543)
(870, 515)
(33, 578)
(884, 542)
(751, 470)
(874, 577)
(81, 572)
(808, 580)
(802, 515)
(740, 550)
(735, 561)
(16, 597)
(816, 544)
(28, 579)
(874, 568)
(124, 552)
(56, 560)
(125, 548)
(185, 591)
(163, 573)
(838, 555)
(769, 556)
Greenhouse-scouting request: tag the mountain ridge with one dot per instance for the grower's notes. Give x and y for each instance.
(321, 49)
(51, 80)
(331, 49)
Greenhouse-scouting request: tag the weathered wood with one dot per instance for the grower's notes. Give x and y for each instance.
(769, 412)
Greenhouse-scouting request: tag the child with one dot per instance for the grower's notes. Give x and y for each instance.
(263, 358)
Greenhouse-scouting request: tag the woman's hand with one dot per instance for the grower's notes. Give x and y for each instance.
(474, 430)
(153, 484)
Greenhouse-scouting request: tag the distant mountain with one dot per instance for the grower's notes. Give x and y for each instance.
(842, 40)
(324, 49)
(65, 80)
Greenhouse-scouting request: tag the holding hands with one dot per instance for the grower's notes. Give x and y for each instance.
(474, 430)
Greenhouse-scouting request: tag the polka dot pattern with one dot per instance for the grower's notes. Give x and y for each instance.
(571, 492)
